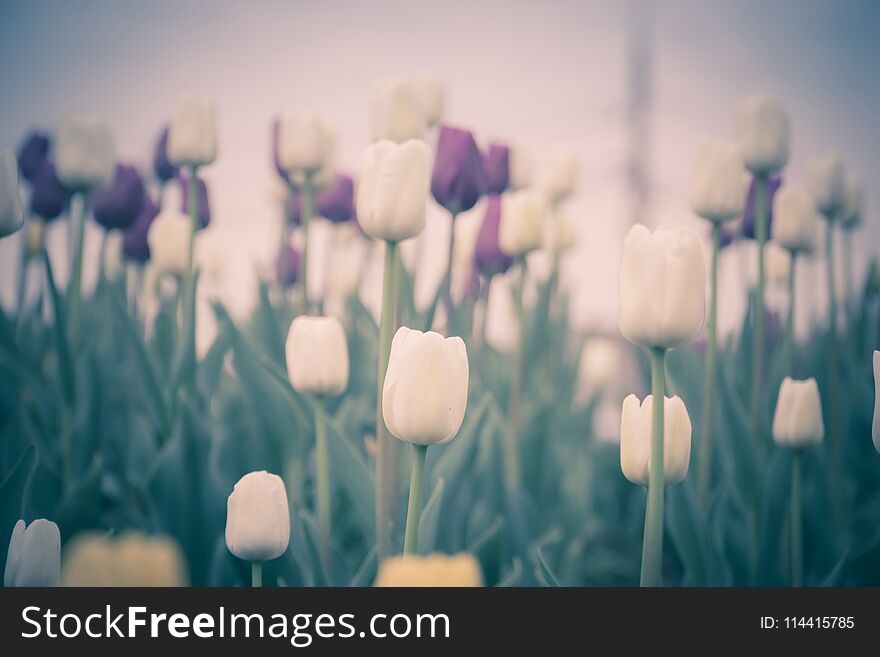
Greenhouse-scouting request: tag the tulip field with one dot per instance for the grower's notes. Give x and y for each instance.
(359, 438)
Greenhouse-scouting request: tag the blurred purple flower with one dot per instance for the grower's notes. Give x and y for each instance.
(162, 166)
(488, 256)
(287, 266)
(202, 202)
(748, 223)
(496, 168)
(49, 198)
(33, 153)
(335, 202)
(118, 205)
(134, 240)
(457, 180)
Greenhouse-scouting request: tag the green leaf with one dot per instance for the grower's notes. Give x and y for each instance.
(352, 474)
(62, 344)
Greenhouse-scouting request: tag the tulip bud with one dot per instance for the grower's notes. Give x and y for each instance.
(431, 95)
(796, 225)
(192, 135)
(162, 166)
(876, 426)
(826, 184)
(34, 237)
(168, 240)
(635, 439)
(11, 211)
(522, 222)
(426, 387)
(718, 184)
(853, 201)
(49, 198)
(662, 287)
(396, 112)
(34, 555)
(777, 263)
(336, 202)
(134, 240)
(797, 421)
(392, 190)
(131, 559)
(85, 156)
(317, 355)
(763, 134)
(561, 176)
(258, 518)
(457, 179)
(305, 143)
(488, 256)
(118, 205)
(33, 153)
(460, 570)
(496, 168)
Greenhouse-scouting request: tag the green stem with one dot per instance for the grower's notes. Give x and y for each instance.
(74, 292)
(848, 281)
(652, 548)
(386, 444)
(833, 419)
(758, 337)
(308, 201)
(447, 278)
(256, 574)
(24, 265)
(192, 201)
(414, 508)
(511, 444)
(705, 478)
(797, 527)
(788, 348)
(322, 461)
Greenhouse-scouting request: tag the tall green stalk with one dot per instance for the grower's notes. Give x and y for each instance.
(788, 347)
(414, 507)
(705, 471)
(308, 204)
(832, 390)
(797, 520)
(652, 546)
(758, 336)
(192, 205)
(511, 443)
(385, 442)
(256, 574)
(447, 278)
(322, 466)
(78, 215)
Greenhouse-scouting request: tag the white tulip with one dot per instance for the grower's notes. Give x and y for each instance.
(560, 232)
(113, 254)
(522, 222)
(85, 156)
(34, 555)
(763, 134)
(210, 255)
(432, 96)
(461, 570)
(561, 176)
(258, 518)
(795, 222)
(797, 421)
(392, 193)
(192, 135)
(718, 183)
(317, 355)
(519, 167)
(11, 209)
(168, 238)
(305, 143)
(876, 427)
(635, 439)
(34, 236)
(426, 387)
(662, 287)
(777, 263)
(397, 112)
(600, 365)
(853, 202)
(827, 184)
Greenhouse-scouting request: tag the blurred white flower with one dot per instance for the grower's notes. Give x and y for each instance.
(560, 176)
(210, 256)
(777, 262)
(853, 202)
(876, 427)
(397, 111)
(11, 209)
(168, 238)
(345, 264)
(795, 222)
(635, 439)
(393, 189)
(797, 421)
(718, 182)
(763, 134)
(522, 222)
(258, 517)
(34, 554)
(113, 254)
(502, 322)
(432, 95)
(305, 143)
(600, 364)
(410, 570)
(662, 287)
(192, 134)
(426, 387)
(34, 236)
(519, 167)
(317, 355)
(826, 184)
(560, 232)
(85, 155)
(131, 559)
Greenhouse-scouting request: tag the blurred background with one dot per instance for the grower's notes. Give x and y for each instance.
(629, 86)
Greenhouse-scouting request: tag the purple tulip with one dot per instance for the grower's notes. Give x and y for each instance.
(335, 202)
(488, 256)
(202, 203)
(134, 240)
(163, 168)
(496, 168)
(287, 266)
(118, 205)
(33, 153)
(748, 224)
(49, 198)
(457, 181)
(276, 129)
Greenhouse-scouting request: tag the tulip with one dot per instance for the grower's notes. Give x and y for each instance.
(795, 225)
(335, 202)
(49, 198)
(457, 180)
(192, 134)
(635, 439)
(305, 143)
(560, 235)
(347, 266)
(522, 223)
(431, 95)
(496, 168)
(397, 112)
(167, 238)
(258, 520)
(561, 176)
(520, 168)
(162, 166)
(827, 185)
(34, 237)
(118, 206)
(34, 555)
(287, 266)
(211, 256)
(434, 570)
(85, 156)
(131, 559)
(488, 256)
(134, 240)
(424, 398)
(32, 154)
(599, 366)
(203, 202)
(763, 134)
(875, 430)
(777, 262)
(11, 211)
(717, 183)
